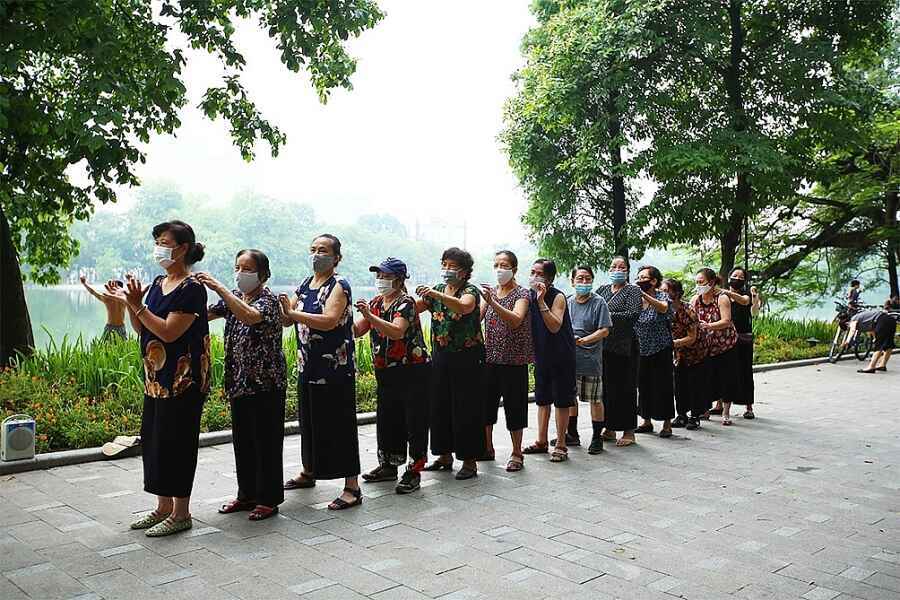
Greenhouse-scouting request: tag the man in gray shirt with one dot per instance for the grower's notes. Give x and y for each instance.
(591, 323)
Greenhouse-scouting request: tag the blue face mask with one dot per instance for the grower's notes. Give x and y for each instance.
(583, 289)
(618, 276)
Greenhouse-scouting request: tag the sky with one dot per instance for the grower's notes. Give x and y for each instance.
(415, 138)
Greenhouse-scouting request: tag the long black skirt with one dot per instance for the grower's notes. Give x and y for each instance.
(656, 397)
(457, 404)
(170, 436)
(722, 373)
(741, 392)
(329, 444)
(257, 424)
(402, 413)
(692, 390)
(620, 391)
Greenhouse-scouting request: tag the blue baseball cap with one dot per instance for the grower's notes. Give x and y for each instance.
(391, 266)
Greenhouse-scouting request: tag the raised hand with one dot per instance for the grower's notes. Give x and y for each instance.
(134, 291)
(487, 292)
(424, 291)
(540, 289)
(209, 281)
(363, 307)
(285, 303)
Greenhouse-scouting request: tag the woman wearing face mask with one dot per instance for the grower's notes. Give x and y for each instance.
(554, 359)
(320, 312)
(509, 349)
(654, 332)
(402, 372)
(457, 346)
(691, 393)
(255, 382)
(713, 309)
(172, 325)
(744, 306)
(620, 353)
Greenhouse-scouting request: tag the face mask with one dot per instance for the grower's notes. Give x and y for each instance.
(503, 275)
(449, 276)
(534, 280)
(645, 285)
(320, 263)
(737, 284)
(583, 289)
(163, 256)
(246, 281)
(618, 276)
(384, 286)
(703, 289)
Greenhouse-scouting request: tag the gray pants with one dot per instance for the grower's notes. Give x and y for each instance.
(114, 330)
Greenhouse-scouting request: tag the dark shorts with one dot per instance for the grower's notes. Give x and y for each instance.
(555, 385)
(509, 382)
(885, 327)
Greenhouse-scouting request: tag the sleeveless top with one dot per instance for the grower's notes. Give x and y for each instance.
(506, 346)
(325, 356)
(741, 317)
(551, 348)
(719, 341)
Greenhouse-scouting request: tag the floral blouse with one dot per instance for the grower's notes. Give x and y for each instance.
(719, 341)
(503, 345)
(254, 359)
(451, 331)
(325, 356)
(171, 368)
(685, 318)
(624, 308)
(408, 350)
(654, 329)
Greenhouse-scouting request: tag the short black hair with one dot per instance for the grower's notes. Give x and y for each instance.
(460, 257)
(854, 283)
(675, 286)
(582, 268)
(260, 259)
(335, 243)
(624, 258)
(183, 234)
(654, 273)
(549, 267)
(709, 275)
(513, 259)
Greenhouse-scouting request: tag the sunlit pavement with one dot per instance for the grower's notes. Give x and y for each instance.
(800, 503)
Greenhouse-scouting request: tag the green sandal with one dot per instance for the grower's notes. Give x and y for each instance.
(169, 526)
(149, 520)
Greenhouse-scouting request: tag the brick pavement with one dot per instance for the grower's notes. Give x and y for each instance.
(801, 503)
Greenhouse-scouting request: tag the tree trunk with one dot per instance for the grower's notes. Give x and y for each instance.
(15, 323)
(620, 243)
(892, 204)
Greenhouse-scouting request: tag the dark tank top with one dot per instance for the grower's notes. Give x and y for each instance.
(551, 348)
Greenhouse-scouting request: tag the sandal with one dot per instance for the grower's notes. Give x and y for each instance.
(488, 456)
(609, 436)
(559, 455)
(341, 504)
(749, 415)
(714, 411)
(466, 473)
(870, 371)
(261, 513)
(302, 482)
(380, 473)
(516, 463)
(665, 433)
(536, 448)
(236, 506)
(623, 442)
(646, 428)
(727, 422)
(439, 465)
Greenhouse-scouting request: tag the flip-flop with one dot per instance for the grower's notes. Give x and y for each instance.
(536, 449)
(727, 422)
(869, 371)
(439, 465)
(623, 442)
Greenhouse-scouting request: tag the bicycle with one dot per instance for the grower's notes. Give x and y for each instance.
(861, 345)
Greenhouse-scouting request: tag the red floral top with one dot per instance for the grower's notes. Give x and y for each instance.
(719, 341)
(408, 350)
(685, 318)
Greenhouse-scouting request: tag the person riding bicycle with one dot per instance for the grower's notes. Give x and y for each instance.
(881, 325)
(853, 295)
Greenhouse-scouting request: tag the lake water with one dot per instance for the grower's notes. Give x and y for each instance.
(60, 311)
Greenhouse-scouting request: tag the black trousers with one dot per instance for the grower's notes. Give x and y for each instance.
(655, 395)
(692, 390)
(457, 407)
(329, 443)
(170, 438)
(620, 391)
(401, 416)
(257, 424)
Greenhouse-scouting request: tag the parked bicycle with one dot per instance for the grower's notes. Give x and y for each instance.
(860, 344)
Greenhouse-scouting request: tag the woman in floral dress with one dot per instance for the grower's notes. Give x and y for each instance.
(172, 325)
(457, 345)
(320, 312)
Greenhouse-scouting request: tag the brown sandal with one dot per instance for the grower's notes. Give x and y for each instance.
(516, 463)
(261, 513)
(341, 504)
(302, 482)
(536, 448)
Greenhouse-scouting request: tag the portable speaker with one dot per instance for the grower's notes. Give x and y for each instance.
(17, 438)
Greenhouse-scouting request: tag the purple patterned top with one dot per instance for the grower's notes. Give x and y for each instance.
(504, 345)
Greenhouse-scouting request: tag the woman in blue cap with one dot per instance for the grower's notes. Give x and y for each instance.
(402, 370)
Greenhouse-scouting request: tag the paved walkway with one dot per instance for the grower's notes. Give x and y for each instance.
(804, 502)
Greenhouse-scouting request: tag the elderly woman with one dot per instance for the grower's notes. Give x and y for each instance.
(174, 334)
(713, 308)
(620, 353)
(255, 382)
(402, 374)
(654, 332)
(509, 350)
(744, 306)
(457, 346)
(691, 385)
(326, 390)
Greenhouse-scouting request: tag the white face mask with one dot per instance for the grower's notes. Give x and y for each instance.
(534, 280)
(384, 286)
(163, 256)
(504, 276)
(246, 281)
(703, 289)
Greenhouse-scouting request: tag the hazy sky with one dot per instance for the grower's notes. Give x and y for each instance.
(416, 137)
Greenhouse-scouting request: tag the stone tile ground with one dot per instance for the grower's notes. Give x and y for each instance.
(803, 502)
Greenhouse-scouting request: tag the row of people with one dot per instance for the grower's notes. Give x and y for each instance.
(619, 348)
